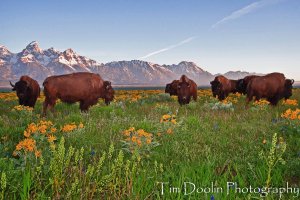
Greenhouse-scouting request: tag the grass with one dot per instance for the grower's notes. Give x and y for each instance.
(211, 143)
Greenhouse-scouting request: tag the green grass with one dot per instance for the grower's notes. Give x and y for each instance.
(207, 146)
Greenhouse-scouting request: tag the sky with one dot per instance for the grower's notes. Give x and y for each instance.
(219, 36)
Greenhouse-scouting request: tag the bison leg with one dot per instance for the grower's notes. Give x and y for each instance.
(222, 96)
(195, 96)
(21, 101)
(248, 99)
(48, 104)
(180, 102)
(84, 106)
(31, 103)
(45, 105)
(273, 100)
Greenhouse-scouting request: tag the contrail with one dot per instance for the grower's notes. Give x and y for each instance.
(169, 47)
(234, 15)
(245, 10)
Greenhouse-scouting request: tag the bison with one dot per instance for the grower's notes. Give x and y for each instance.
(28, 90)
(185, 89)
(171, 88)
(221, 87)
(108, 92)
(83, 87)
(272, 86)
(241, 85)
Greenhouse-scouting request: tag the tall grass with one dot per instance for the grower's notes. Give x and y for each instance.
(210, 143)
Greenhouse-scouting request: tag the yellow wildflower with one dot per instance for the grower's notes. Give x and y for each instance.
(19, 146)
(134, 139)
(26, 133)
(131, 129)
(43, 128)
(126, 133)
(141, 132)
(14, 153)
(37, 153)
(139, 142)
(292, 102)
(169, 131)
(174, 121)
(51, 138)
(53, 130)
(80, 125)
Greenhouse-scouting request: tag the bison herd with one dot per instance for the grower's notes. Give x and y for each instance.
(83, 87)
(273, 87)
(86, 88)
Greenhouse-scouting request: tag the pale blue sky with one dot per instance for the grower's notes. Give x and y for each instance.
(261, 36)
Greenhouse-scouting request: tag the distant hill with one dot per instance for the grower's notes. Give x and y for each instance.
(39, 64)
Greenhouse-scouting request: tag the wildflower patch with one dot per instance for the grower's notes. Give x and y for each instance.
(291, 114)
(138, 140)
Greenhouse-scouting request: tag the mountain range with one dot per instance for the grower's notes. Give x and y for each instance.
(39, 64)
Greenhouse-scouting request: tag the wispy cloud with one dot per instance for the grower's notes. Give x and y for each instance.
(169, 47)
(234, 15)
(245, 10)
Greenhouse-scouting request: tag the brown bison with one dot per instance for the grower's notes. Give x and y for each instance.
(222, 86)
(185, 89)
(171, 88)
(109, 92)
(28, 90)
(83, 87)
(272, 86)
(241, 85)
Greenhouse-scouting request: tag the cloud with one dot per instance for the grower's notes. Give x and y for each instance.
(234, 15)
(169, 47)
(245, 10)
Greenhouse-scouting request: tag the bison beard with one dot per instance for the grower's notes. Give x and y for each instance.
(272, 86)
(28, 90)
(185, 89)
(82, 87)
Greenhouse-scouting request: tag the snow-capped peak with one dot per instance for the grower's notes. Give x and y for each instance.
(69, 52)
(34, 47)
(191, 65)
(51, 52)
(4, 50)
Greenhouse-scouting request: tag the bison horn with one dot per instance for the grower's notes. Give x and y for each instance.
(11, 84)
(292, 81)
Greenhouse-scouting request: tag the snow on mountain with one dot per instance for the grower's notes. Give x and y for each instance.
(5, 54)
(39, 64)
(135, 72)
(238, 74)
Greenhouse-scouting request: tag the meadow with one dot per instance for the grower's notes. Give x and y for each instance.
(145, 146)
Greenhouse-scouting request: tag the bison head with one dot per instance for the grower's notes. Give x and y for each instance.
(171, 88)
(216, 88)
(22, 89)
(241, 86)
(168, 88)
(108, 92)
(288, 86)
(183, 92)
